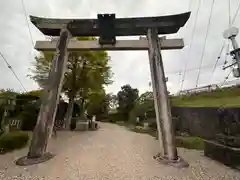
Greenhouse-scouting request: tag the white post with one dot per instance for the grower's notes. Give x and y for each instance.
(94, 118)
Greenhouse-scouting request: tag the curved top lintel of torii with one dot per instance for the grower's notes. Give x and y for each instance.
(136, 26)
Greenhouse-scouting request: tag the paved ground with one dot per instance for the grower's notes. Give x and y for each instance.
(111, 153)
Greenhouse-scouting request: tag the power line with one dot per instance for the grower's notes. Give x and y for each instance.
(190, 45)
(26, 16)
(10, 67)
(229, 13)
(218, 58)
(226, 78)
(192, 69)
(205, 41)
(236, 13)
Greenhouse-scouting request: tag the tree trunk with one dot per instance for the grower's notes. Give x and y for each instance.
(82, 109)
(72, 94)
(4, 123)
(69, 112)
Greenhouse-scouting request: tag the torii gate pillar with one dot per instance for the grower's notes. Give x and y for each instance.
(166, 135)
(50, 99)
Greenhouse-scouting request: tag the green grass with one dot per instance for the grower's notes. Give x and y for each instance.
(227, 97)
(209, 102)
(139, 129)
(121, 123)
(188, 142)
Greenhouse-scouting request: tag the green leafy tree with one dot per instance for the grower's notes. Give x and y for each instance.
(144, 104)
(7, 105)
(98, 104)
(126, 100)
(87, 71)
(41, 68)
(27, 108)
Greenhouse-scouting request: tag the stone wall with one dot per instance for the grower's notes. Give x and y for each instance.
(201, 121)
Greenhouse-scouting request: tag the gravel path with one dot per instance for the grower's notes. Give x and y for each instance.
(111, 153)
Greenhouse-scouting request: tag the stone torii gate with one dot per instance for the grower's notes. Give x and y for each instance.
(107, 27)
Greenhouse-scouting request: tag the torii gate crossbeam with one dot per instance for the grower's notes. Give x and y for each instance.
(121, 45)
(151, 27)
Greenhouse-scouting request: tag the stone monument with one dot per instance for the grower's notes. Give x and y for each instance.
(82, 122)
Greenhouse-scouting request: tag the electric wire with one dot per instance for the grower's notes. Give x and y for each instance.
(190, 45)
(32, 42)
(218, 58)
(10, 67)
(26, 16)
(230, 22)
(229, 13)
(205, 41)
(235, 15)
(226, 78)
(180, 73)
(31, 38)
(225, 62)
(193, 69)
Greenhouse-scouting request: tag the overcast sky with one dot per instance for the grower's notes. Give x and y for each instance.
(129, 67)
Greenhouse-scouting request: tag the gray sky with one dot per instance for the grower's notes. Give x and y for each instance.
(129, 67)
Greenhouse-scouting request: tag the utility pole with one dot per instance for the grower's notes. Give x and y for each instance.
(231, 34)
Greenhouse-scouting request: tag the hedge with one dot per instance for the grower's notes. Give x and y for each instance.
(190, 142)
(29, 116)
(114, 117)
(13, 140)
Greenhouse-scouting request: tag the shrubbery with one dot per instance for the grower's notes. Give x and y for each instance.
(1, 132)
(13, 140)
(114, 117)
(29, 116)
(23, 106)
(153, 125)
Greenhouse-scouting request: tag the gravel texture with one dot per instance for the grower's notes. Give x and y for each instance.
(111, 153)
